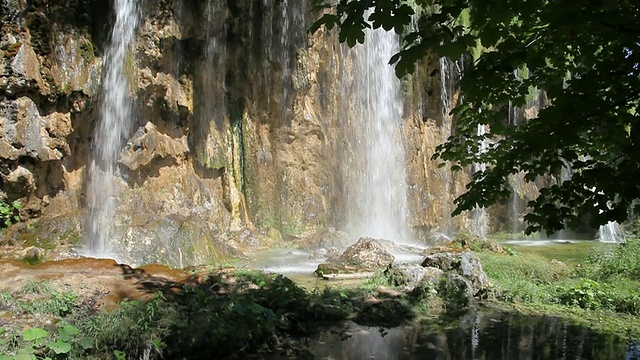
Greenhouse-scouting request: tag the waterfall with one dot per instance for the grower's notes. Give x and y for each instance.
(375, 164)
(611, 232)
(114, 124)
(447, 88)
(518, 116)
(479, 216)
(450, 75)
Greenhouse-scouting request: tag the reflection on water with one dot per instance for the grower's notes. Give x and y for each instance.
(474, 336)
(283, 261)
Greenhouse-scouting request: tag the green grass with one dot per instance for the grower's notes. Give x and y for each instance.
(524, 277)
(42, 298)
(569, 253)
(230, 313)
(596, 284)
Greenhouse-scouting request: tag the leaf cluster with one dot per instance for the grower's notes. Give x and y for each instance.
(37, 343)
(9, 213)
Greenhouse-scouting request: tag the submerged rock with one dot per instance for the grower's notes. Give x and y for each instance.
(331, 254)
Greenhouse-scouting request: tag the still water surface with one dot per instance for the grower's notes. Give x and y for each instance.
(476, 335)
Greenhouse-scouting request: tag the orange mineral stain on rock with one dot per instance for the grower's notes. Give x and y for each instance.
(102, 279)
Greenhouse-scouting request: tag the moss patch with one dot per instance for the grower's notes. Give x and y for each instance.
(86, 50)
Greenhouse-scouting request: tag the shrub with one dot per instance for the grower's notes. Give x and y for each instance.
(624, 262)
(67, 342)
(589, 294)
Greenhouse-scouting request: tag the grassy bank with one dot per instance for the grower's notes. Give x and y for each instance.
(599, 288)
(230, 314)
(226, 315)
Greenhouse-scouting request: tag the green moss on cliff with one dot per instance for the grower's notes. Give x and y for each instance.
(86, 50)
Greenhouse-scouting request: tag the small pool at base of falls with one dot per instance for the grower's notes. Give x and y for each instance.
(474, 335)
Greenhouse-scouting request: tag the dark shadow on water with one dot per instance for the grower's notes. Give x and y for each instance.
(473, 336)
(227, 314)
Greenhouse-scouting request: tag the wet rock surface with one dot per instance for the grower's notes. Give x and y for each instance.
(326, 238)
(148, 144)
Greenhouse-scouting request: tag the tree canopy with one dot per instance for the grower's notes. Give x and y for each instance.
(583, 56)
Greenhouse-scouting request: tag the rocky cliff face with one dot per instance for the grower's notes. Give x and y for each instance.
(236, 127)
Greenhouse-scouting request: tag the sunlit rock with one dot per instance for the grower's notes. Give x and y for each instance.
(147, 144)
(467, 265)
(366, 254)
(410, 276)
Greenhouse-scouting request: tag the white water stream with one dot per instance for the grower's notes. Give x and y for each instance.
(611, 232)
(375, 169)
(479, 216)
(114, 124)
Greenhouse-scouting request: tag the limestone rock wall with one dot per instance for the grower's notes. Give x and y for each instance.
(49, 82)
(237, 124)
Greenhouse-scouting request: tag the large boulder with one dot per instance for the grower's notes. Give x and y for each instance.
(471, 269)
(365, 255)
(408, 277)
(444, 261)
(466, 265)
(456, 290)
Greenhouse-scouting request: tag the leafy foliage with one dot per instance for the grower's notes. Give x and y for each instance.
(584, 60)
(604, 280)
(36, 342)
(44, 299)
(623, 262)
(589, 294)
(227, 315)
(9, 213)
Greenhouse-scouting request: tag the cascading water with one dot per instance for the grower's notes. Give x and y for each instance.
(447, 87)
(515, 119)
(450, 75)
(479, 216)
(114, 124)
(375, 167)
(446, 93)
(518, 116)
(611, 232)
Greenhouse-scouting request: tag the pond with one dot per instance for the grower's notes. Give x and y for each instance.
(475, 335)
